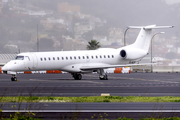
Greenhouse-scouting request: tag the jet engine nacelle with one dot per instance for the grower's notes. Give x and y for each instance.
(132, 54)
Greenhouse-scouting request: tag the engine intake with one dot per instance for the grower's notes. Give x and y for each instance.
(132, 54)
(123, 54)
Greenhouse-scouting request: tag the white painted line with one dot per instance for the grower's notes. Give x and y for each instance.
(135, 111)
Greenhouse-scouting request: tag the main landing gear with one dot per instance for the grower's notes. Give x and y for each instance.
(77, 76)
(103, 77)
(14, 78)
(102, 74)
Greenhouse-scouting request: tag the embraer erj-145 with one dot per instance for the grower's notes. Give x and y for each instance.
(86, 61)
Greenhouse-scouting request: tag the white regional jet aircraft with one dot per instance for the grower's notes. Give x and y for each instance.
(87, 61)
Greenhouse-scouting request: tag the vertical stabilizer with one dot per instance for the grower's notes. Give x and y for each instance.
(145, 35)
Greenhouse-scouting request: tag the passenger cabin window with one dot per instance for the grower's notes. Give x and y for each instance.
(62, 58)
(66, 58)
(100, 56)
(57, 58)
(45, 59)
(74, 57)
(83, 57)
(79, 57)
(108, 56)
(53, 58)
(41, 59)
(104, 56)
(96, 56)
(71, 58)
(112, 56)
(19, 58)
(87, 57)
(92, 57)
(49, 58)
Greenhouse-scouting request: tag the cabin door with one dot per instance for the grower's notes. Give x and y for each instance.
(35, 60)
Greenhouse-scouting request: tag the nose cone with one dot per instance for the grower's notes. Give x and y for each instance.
(5, 68)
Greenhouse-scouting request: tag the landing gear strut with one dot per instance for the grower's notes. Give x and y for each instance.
(77, 76)
(102, 74)
(14, 78)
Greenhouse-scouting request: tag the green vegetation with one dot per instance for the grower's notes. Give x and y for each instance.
(33, 116)
(93, 45)
(19, 116)
(172, 118)
(95, 116)
(90, 99)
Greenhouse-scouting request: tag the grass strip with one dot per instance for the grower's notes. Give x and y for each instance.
(91, 99)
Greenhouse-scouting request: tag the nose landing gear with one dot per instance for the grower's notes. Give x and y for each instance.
(14, 78)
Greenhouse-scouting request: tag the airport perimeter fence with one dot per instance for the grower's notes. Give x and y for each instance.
(157, 69)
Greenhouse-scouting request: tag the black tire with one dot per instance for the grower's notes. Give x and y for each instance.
(104, 77)
(13, 79)
(79, 76)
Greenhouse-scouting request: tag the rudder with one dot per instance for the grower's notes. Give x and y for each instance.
(145, 35)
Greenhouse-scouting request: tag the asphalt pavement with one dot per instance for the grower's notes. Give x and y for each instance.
(134, 84)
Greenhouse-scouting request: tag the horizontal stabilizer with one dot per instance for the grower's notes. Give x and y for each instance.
(151, 27)
(145, 36)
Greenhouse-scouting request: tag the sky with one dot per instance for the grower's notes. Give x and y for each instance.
(172, 1)
(124, 13)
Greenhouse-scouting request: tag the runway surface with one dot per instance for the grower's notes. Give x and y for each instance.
(134, 84)
(87, 110)
(86, 107)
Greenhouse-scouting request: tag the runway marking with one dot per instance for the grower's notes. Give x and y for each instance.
(104, 111)
(100, 84)
(135, 79)
(52, 80)
(93, 75)
(142, 79)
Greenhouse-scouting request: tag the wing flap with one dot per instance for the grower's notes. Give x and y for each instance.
(111, 66)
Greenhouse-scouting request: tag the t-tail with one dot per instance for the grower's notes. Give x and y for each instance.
(140, 47)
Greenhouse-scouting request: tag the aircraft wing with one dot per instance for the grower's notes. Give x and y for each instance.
(88, 67)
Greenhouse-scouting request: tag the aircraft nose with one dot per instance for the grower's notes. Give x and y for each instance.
(5, 68)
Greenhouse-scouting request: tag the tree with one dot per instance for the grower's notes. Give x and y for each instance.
(93, 44)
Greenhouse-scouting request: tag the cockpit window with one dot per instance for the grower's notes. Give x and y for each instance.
(19, 58)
